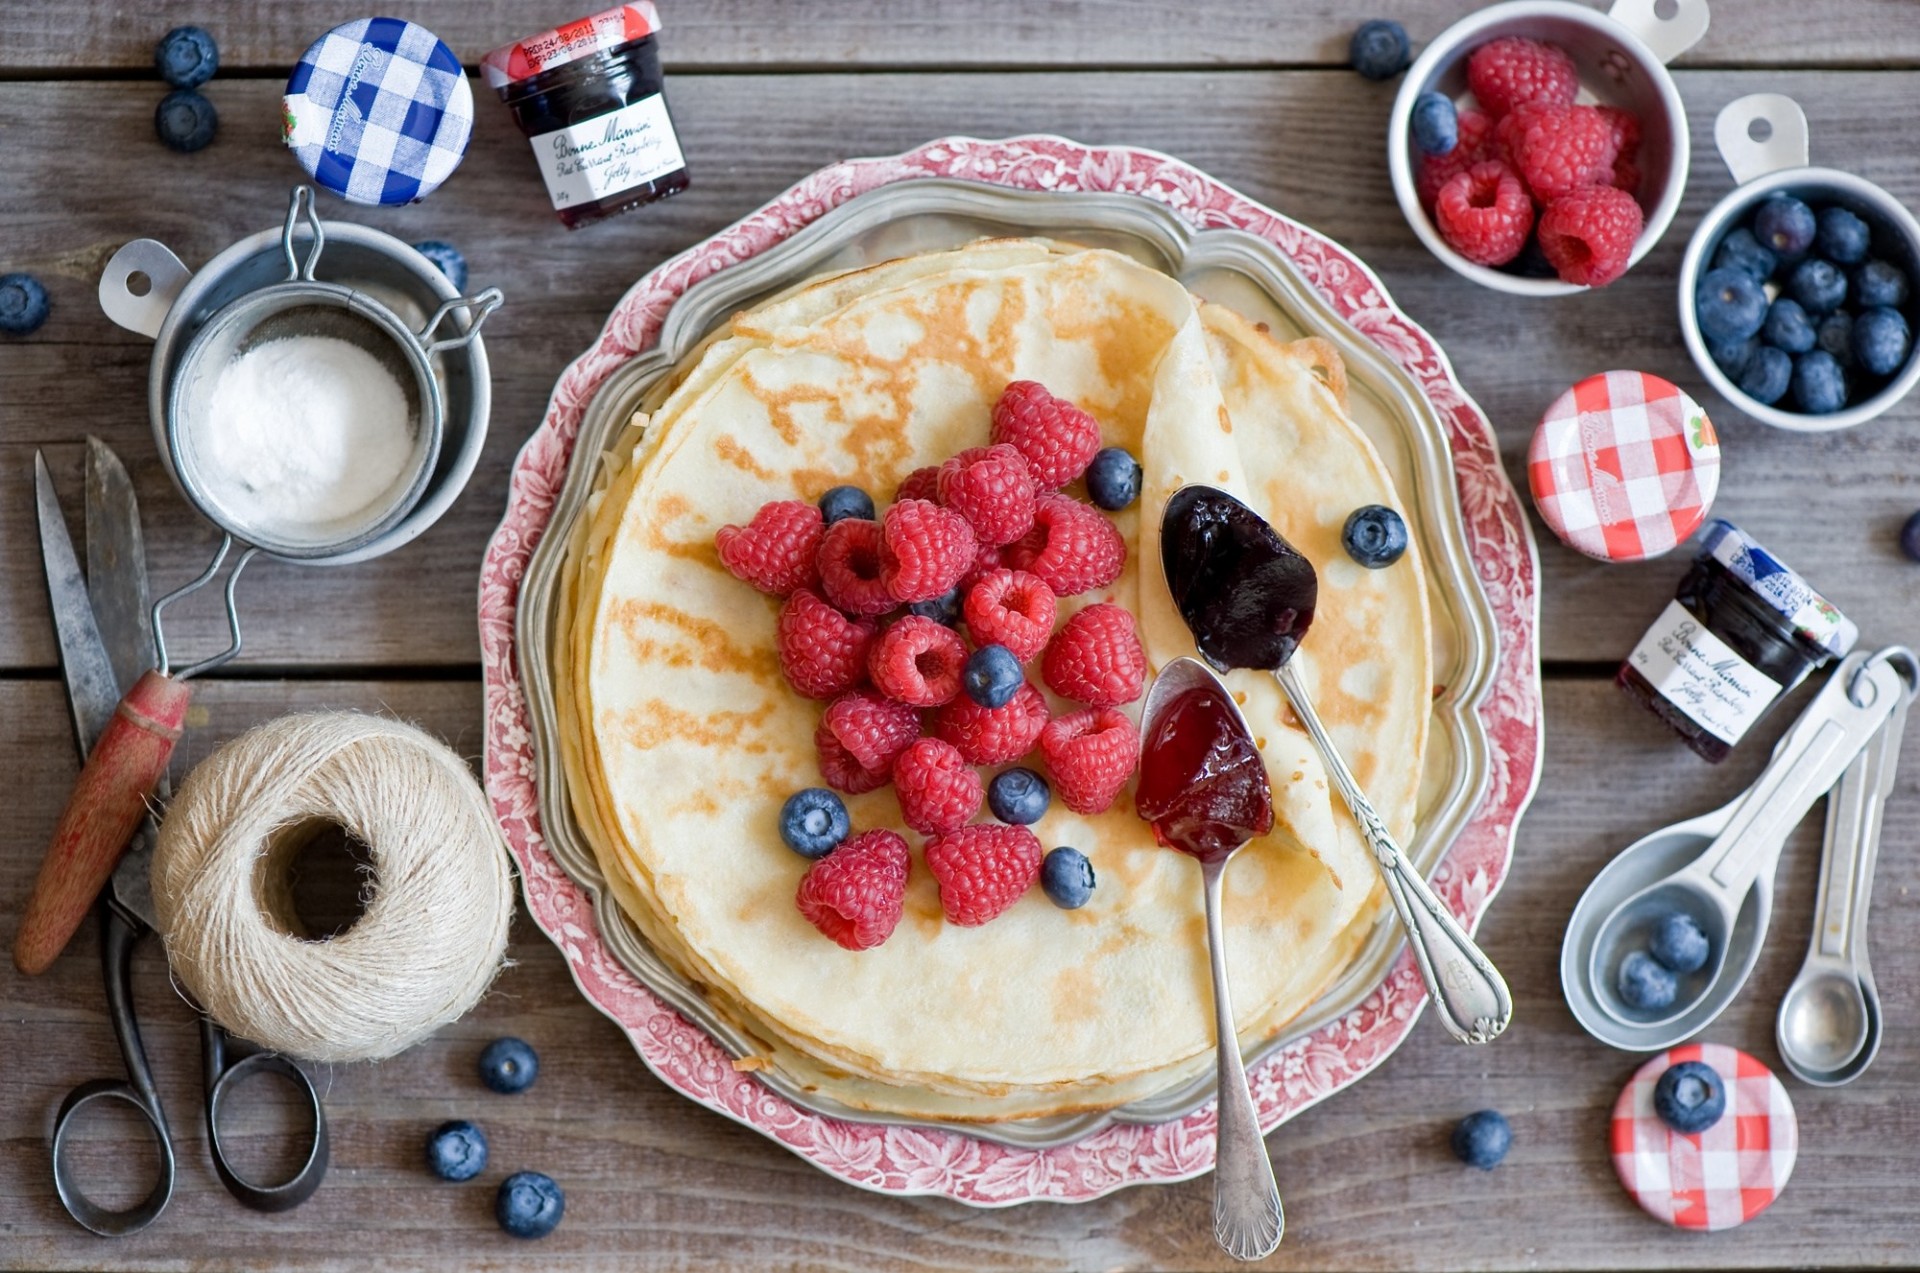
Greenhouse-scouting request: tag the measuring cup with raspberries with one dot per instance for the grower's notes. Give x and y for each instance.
(1569, 155)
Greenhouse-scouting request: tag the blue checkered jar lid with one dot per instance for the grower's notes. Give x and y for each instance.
(379, 111)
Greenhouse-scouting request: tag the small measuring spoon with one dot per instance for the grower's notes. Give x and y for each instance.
(1828, 1029)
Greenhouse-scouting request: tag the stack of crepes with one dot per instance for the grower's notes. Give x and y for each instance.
(681, 740)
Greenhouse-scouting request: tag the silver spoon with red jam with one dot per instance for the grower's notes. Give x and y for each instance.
(1248, 597)
(1203, 788)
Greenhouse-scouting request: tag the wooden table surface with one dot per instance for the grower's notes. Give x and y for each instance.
(764, 92)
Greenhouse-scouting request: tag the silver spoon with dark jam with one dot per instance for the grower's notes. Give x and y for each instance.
(1248, 596)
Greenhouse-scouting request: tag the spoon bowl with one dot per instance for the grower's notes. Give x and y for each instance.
(1824, 1024)
(1630, 927)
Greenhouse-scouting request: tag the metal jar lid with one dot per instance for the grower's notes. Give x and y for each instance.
(1810, 615)
(524, 59)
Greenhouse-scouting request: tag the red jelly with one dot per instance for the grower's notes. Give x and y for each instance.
(1203, 786)
(588, 96)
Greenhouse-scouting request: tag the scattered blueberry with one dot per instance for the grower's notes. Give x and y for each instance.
(1842, 237)
(508, 1066)
(1436, 124)
(1881, 340)
(992, 676)
(529, 1204)
(1879, 283)
(1729, 305)
(1645, 984)
(447, 259)
(1113, 479)
(1482, 1139)
(186, 57)
(1819, 386)
(1678, 943)
(1835, 335)
(457, 1150)
(23, 304)
(1019, 797)
(1379, 49)
(1690, 1097)
(1787, 326)
(185, 120)
(1766, 378)
(1741, 251)
(1910, 538)
(813, 822)
(1734, 356)
(846, 501)
(1818, 285)
(943, 609)
(1067, 878)
(1375, 536)
(1785, 226)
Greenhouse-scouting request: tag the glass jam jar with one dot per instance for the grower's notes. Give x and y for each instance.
(588, 96)
(1741, 630)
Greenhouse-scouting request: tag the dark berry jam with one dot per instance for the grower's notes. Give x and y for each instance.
(1246, 594)
(1202, 786)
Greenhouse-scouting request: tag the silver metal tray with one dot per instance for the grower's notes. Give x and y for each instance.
(1237, 269)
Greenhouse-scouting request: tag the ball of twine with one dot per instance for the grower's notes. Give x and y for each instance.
(430, 940)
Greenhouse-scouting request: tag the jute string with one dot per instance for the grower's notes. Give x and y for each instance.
(432, 936)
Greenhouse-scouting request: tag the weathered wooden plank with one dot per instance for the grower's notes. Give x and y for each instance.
(36, 36)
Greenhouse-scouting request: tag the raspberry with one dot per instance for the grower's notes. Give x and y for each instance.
(822, 652)
(985, 560)
(1096, 658)
(775, 551)
(992, 488)
(1484, 213)
(1626, 176)
(850, 567)
(983, 870)
(919, 484)
(939, 792)
(1476, 144)
(1092, 753)
(1558, 149)
(924, 549)
(1504, 73)
(1071, 547)
(918, 661)
(855, 894)
(1058, 438)
(873, 729)
(993, 735)
(840, 770)
(1012, 608)
(1588, 236)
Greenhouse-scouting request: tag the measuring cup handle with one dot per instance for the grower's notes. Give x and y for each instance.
(478, 308)
(143, 312)
(1749, 158)
(1668, 36)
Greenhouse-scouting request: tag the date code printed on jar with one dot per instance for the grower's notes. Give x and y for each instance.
(608, 154)
(1702, 675)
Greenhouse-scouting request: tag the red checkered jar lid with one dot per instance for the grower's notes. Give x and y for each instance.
(1624, 466)
(1719, 1178)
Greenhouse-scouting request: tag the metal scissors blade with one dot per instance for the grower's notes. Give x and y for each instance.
(117, 565)
(93, 692)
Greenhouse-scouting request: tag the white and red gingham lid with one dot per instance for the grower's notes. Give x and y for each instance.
(1624, 466)
(1719, 1178)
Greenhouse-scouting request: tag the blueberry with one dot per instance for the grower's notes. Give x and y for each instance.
(1818, 285)
(185, 120)
(1067, 878)
(1819, 386)
(1881, 340)
(457, 1150)
(447, 259)
(1436, 124)
(1734, 356)
(186, 57)
(1729, 305)
(508, 1066)
(529, 1204)
(846, 501)
(1787, 326)
(1741, 251)
(1482, 1139)
(1018, 797)
(1910, 538)
(1379, 49)
(23, 304)
(813, 822)
(1645, 984)
(1785, 226)
(943, 609)
(1835, 335)
(1375, 536)
(1113, 479)
(1766, 378)
(992, 676)
(1690, 1097)
(1678, 943)
(1879, 283)
(1842, 237)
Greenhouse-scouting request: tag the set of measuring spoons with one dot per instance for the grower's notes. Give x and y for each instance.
(1718, 868)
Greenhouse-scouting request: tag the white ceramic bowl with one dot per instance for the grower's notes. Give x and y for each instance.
(1621, 56)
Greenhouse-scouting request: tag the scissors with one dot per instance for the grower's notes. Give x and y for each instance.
(106, 642)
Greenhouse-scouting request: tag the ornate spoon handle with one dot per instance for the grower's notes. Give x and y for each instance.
(1471, 996)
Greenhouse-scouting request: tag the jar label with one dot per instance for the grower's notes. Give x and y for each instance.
(609, 153)
(1701, 675)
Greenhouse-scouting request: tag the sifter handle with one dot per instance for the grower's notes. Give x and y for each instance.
(103, 811)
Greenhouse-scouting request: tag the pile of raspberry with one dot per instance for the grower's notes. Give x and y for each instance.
(1530, 166)
(871, 626)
